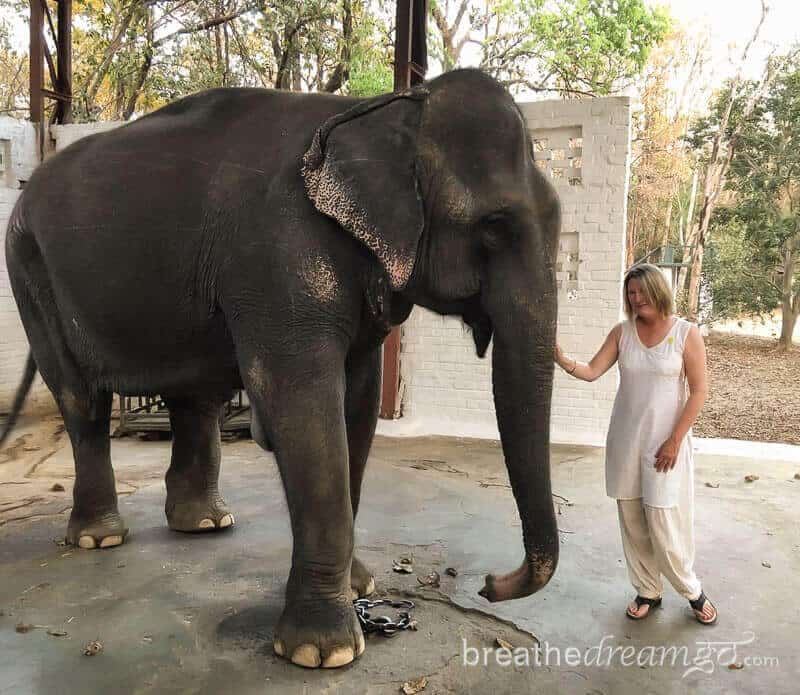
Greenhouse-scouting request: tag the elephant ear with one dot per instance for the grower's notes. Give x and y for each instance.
(360, 170)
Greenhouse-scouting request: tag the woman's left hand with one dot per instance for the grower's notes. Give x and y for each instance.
(667, 456)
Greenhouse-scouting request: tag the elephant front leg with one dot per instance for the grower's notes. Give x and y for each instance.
(193, 499)
(306, 424)
(362, 403)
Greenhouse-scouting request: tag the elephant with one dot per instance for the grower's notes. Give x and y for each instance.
(269, 240)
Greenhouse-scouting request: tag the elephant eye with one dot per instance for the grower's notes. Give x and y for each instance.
(495, 229)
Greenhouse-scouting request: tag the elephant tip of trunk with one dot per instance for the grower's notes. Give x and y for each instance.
(527, 579)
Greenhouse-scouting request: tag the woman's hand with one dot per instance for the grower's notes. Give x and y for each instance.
(559, 355)
(667, 455)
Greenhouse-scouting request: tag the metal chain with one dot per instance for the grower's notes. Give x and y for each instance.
(383, 623)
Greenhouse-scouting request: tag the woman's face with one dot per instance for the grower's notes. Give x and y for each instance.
(638, 300)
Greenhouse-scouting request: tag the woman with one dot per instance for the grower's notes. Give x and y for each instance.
(649, 462)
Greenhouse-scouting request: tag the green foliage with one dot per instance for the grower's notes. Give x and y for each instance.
(703, 129)
(734, 271)
(589, 47)
(369, 77)
(758, 234)
(371, 71)
(13, 76)
(132, 56)
(592, 45)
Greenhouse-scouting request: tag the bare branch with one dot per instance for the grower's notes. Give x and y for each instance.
(543, 88)
(208, 24)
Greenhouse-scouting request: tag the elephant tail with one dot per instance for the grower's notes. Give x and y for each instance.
(19, 398)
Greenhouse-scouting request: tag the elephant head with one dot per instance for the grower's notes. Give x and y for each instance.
(439, 183)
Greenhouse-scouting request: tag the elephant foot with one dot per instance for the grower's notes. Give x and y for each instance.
(101, 531)
(319, 633)
(198, 515)
(362, 582)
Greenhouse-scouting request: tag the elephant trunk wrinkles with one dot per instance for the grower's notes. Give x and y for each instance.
(522, 368)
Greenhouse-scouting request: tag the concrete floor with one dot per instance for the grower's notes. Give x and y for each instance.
(195, 614)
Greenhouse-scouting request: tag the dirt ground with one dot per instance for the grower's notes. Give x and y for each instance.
(754, 390)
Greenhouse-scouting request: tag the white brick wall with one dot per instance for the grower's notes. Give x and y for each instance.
(18, 142)
(62, 136)
(444, 383)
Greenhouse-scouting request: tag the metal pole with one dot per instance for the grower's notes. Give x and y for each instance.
(408, 70)
(390, 389)
(402, 44)
(37, 71)
(64, 54)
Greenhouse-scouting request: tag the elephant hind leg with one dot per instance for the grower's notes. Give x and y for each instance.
(95, 521)
(193, 499)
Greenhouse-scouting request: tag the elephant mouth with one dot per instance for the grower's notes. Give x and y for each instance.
(480, 324)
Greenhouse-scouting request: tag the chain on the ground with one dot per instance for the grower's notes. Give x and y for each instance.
(383, 624)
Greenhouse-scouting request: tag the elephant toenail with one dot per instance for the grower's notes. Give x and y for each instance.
(370, 587)
(360, 644)
(87, 542)
(277, 645)
(338, 657)
(226, 521)
(111, 541)
(206, 523)
(307, 655)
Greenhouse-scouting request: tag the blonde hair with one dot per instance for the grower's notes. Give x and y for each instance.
(654, 288)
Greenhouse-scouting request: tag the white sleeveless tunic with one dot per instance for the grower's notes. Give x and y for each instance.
(651, 396)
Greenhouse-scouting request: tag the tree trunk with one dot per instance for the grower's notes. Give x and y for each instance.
(341, 73)
(681, 286)
(287, 56)
(144, 70)
(790, 299)
(218, 42)
(630, 243)
(668, 220)
(451, 51)
(95, 79)
(227, 52)
(788, 323)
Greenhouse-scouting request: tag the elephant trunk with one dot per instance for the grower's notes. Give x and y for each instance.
(522, 374)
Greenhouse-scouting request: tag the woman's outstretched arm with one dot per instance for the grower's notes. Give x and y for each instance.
(605, 358)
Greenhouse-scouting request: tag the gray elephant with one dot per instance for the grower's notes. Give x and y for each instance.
(270, 240)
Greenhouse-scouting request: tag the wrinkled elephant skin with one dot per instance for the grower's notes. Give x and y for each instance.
(265, 240)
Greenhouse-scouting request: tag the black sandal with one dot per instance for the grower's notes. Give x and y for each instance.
(642, 601)
(697, 606)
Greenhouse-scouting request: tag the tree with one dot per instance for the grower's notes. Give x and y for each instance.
(132, 56)
(13, 77)
(765, 178)
(574, 48)
(662, 167)
(721, 146)
(734, 271)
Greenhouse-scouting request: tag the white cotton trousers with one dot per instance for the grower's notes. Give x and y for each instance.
(658, 541)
